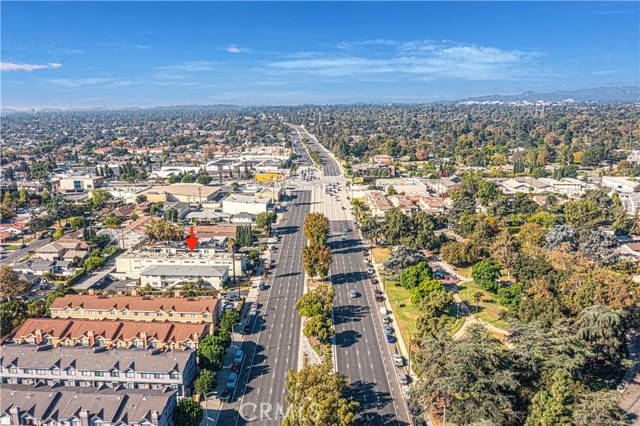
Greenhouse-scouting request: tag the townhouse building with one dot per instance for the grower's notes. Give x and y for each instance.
(98, 366)
(107, 333)
(42, 405)
(378, 203)
(136, 308)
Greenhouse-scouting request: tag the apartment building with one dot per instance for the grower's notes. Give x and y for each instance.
(404, 203)
(167, 276)
(136, 308)
(80, 183)
(98, 366)
(378, 203)
(42, 405)
(132, 264)
(110, 334)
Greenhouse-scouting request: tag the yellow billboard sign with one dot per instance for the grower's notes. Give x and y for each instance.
(266, 176)
(358, 180)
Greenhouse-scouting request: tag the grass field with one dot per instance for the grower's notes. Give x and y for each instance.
(11, 247)
(406, 314)
(489, 310)
(380, 254)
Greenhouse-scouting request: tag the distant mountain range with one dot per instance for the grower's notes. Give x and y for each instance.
(596, 94)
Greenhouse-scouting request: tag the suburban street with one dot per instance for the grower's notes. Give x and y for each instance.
(361, 350)
(14, 255)
(272, 348)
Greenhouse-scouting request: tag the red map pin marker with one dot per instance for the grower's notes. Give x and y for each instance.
(191, 240)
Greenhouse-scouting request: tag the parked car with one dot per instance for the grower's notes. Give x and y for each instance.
(403, 379)
(369, 270)
(374, 281)
(388, 329)
(237, 359)
(378, 298)
(232, 296)
(253, 312)
(347, 229)
(398, 360)
(232, 380)
(343, 238)
(255, 305)
(353, 293)
(390, 338)
(261, 286)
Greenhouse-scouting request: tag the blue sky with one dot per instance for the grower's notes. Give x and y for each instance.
(165, 53)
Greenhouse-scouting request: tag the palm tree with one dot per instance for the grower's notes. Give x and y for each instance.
(477, 298)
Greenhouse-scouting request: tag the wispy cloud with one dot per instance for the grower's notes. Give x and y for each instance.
(75, 83)
(122, 46)
(421, 60)
(190, 66)
(12, 66)
(233, 49)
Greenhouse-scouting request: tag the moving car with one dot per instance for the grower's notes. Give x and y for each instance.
(232, 380)
(353, 293)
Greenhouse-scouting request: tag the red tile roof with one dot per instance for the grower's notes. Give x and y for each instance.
(136, 303)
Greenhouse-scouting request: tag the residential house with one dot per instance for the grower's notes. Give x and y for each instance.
(137, 308)
(97, 366)
(43, 405)
(378, 203)
(107, 333)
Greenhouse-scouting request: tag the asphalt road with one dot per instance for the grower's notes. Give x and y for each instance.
(14, 255)
(361, 349)
(272, 348)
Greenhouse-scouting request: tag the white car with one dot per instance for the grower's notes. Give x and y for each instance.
(398, 360)
(253, 312)
(369, 271)
(353, 293)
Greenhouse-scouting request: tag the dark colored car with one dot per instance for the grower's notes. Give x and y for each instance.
(390, 338)
(378, 298)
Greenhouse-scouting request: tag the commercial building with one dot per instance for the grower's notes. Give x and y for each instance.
(42, 405)
(81, 183)
(98, 366)
(238, 203)
(164, 276)
(184, 192)
(132, 264)
(137, 308)
(110, 334)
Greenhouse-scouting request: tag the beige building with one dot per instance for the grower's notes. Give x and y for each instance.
(137, 308)
(184, 192)
(107, 333)
(79, 183)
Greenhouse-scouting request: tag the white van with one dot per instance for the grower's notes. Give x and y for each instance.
(383, 310)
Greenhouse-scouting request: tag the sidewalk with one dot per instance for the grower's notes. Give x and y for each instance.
(213, 406)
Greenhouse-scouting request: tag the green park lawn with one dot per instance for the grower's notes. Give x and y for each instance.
(489, 310)
(406, 314)
(11, 247)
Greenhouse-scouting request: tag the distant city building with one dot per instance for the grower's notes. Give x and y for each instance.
(619, 184)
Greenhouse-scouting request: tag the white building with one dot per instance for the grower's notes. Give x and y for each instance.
(132, 264)
(238, 203)
(619, 184)
(80, 183)
(163, 276)
(631, 201)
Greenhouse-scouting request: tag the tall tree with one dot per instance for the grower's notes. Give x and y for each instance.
(12, 285)
(319, 398)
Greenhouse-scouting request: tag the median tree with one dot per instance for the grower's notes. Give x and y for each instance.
(316, 228)
(318, 398)
(318, 326)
